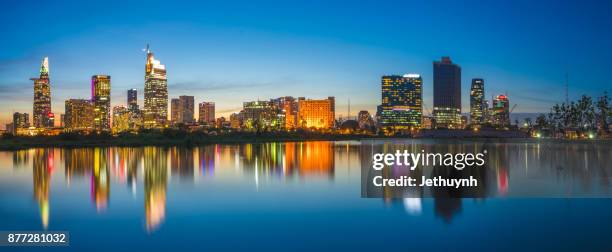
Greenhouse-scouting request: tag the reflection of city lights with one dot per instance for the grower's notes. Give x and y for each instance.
(413, 206)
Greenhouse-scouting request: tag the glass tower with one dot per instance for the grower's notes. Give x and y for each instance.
(156, 93)
(447, 94)
(43, 118)
(100, 98)
(477, 102)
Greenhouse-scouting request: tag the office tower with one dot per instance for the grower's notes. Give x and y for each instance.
(121, 119)
(501, 111)
(287, 108)
(78, 115)
(156, 93)
(100, 98)
(42, 117)
(187, 109)
(402, 102)
(206, 113)
(447, 94)
(319, 114)
(20, 121)
(132, 100)
(477, 102)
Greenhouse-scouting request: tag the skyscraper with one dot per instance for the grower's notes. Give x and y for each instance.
(156, 93)
(132, 100)
(477, 102)
(447, 94)
(100, 98)
(20, 121)
(121, 119)
(175, 110)
(206, 113)
(402, 101)
(43, 117)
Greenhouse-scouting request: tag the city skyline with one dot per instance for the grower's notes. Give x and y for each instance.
(260, 60)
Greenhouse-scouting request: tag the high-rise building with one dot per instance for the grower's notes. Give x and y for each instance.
(447, 94)
(121, 119)
(477, 102)
(501, 111)
(402, 101)
(79, 115)
(43, 117)
(132, 100)
(155, 93)
(100, 98)
(20, 121)
(319, 114)
(206, 113)
(181, 109)
(175, 113)
(287, 106)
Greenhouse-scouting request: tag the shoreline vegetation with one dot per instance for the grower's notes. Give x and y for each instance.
(172, 137)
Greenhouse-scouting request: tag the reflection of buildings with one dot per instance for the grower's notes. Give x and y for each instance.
(42, 167)
(206, 156)
(303, 159)
(181, 162)
(100, 179)
(155, 183)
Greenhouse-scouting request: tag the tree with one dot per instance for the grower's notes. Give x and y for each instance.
(603, 111)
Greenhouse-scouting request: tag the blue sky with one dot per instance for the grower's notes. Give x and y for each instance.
(234, 51)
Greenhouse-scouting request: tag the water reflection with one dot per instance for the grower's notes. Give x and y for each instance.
(513, 168)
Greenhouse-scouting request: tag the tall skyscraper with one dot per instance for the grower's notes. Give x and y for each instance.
(132, 100)
(79, 115)
(43, 117)
(20, 121)
(100, 98)
(477, 102)
(402, 101)
(206, 113)
(447, 94)
(156, 93)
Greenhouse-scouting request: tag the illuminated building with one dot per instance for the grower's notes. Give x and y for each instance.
(78, 115)
(100, 98)
(121, 119)
(287, 107)
(132, 100)
(155, 93)
(206, 113)
(477, 102)
(235, 121)
(447, 94)
(43, 118)
(20, 121)
(260, 114)
(181, 110)
(319, 114)
(402, 102)
(501, 111)
(365, 120)
(427, 122)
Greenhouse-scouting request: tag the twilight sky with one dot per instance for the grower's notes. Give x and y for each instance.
(234, 51)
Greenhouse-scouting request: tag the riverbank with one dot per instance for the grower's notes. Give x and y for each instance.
(165, 139)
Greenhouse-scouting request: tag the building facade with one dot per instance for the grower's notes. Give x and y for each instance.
(402, 102)
(132, 100)
(206, 113)
(260, 115)
(318, 114)
(78, 115)
(100, 98)
(181, 110)
(121, 119)
(20, 121)
(501, 111)
(42, 116)
(155, 93)
(447, 94)
(477, 102)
